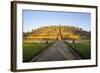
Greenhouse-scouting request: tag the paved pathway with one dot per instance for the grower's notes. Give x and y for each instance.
(56, 52)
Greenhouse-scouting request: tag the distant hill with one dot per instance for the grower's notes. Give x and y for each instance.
(57, 33)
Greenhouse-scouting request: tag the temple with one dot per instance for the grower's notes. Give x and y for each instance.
(52, 33)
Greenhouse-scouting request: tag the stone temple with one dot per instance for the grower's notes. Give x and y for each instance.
(53, 33)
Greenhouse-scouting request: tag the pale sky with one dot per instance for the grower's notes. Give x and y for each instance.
(33, 19)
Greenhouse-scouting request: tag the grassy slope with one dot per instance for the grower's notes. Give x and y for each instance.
(83, 49)
(30, 50)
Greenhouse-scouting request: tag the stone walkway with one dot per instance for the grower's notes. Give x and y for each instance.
(56, 52)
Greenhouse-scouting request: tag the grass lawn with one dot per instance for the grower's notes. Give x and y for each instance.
(30, 50)
(83, 48)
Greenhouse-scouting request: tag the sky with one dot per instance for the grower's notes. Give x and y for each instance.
(33, 19)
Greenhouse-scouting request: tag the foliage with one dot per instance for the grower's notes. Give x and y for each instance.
(83, 48)
(30, 50)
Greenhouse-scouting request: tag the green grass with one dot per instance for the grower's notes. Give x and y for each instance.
(30, 50)
(83, 48)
